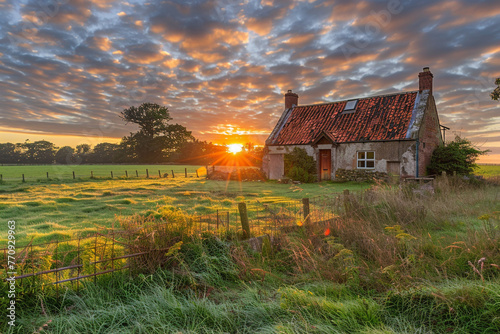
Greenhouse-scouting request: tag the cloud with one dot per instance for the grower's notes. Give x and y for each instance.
(71, 67)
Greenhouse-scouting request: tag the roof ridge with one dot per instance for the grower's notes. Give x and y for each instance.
(359, 98)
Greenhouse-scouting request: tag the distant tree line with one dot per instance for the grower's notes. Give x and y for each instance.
(156, 141)
(192, 151)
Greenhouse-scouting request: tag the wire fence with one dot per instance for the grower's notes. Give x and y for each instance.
(88, 172)
(68, 262)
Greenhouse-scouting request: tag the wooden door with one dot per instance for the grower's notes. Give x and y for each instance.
(325, 164)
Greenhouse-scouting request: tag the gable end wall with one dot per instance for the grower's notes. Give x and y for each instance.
(429, 136)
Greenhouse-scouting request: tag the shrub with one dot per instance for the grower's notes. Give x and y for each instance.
(457, 156)
(300, 166)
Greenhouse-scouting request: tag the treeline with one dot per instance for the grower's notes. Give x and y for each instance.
(157, 141)
(191, 152)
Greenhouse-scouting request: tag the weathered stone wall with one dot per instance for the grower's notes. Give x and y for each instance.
(359, 175)
(399, 154)
(274, 163)
(390, 152)
(429, 136)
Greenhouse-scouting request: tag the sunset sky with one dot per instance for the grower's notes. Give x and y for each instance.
(68, 68)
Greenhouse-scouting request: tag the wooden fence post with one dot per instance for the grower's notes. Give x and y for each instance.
(206, 167)
(47, 175)
(159, 174)
(305, 205)
(147, 174)
(91, 174)
(136, 173)
(73, 175)
(111, 174)
(23, 178)
(126, 174)
(197, 173)
(173, 175)
(242, 208)
(186, 172)
(347, 200)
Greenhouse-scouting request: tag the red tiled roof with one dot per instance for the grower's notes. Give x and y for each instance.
(376, 118)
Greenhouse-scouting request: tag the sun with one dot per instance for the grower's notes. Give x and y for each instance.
(234, 148)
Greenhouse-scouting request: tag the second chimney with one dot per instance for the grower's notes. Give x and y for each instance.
(291, 99)
(425, 80)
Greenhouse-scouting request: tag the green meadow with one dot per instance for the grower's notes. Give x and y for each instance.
(395, 259)
(59, 210)
(65, 172)
(488, 170)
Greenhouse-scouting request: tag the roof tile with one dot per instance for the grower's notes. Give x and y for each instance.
(376, 118)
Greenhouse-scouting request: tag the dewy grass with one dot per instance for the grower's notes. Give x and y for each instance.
(390, 261)
(91, 205)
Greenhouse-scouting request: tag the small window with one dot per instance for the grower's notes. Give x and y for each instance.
(366, 160)
(350, 106)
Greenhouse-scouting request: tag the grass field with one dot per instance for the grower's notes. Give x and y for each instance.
(65, 172)
(488, 170)
(50, 210)
(392, 261)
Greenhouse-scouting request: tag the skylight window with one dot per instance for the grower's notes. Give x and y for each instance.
(351, 105)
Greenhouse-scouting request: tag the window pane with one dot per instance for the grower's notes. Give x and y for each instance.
(351, 105)
(361, 164)
(370, 155)
(370, 164)
(361, 155)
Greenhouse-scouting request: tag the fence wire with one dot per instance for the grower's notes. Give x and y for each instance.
(67, 262)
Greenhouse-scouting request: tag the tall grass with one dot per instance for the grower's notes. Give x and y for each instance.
(393, 260)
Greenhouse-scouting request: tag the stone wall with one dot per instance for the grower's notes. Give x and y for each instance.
(359, 175)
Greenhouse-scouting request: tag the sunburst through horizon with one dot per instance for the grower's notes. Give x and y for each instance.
(234, 148)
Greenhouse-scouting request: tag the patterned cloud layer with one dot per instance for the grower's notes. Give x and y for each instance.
(222, 66)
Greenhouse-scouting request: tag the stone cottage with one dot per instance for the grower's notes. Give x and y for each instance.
(394, 133)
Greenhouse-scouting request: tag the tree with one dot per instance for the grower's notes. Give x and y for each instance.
(39, 152)
(495, 95)
(198, 152)
(65, 156)
(104, 153)
(300, 166)
(253, 154)
(9, 153)
(457, 156)
(82, 152)
(156, 138)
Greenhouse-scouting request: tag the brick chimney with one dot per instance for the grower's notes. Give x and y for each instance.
(425, 80)
(291, 99)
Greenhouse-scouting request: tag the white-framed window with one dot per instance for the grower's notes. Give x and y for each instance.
(366, 160)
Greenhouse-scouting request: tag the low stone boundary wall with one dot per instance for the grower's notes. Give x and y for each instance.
(359, 175)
